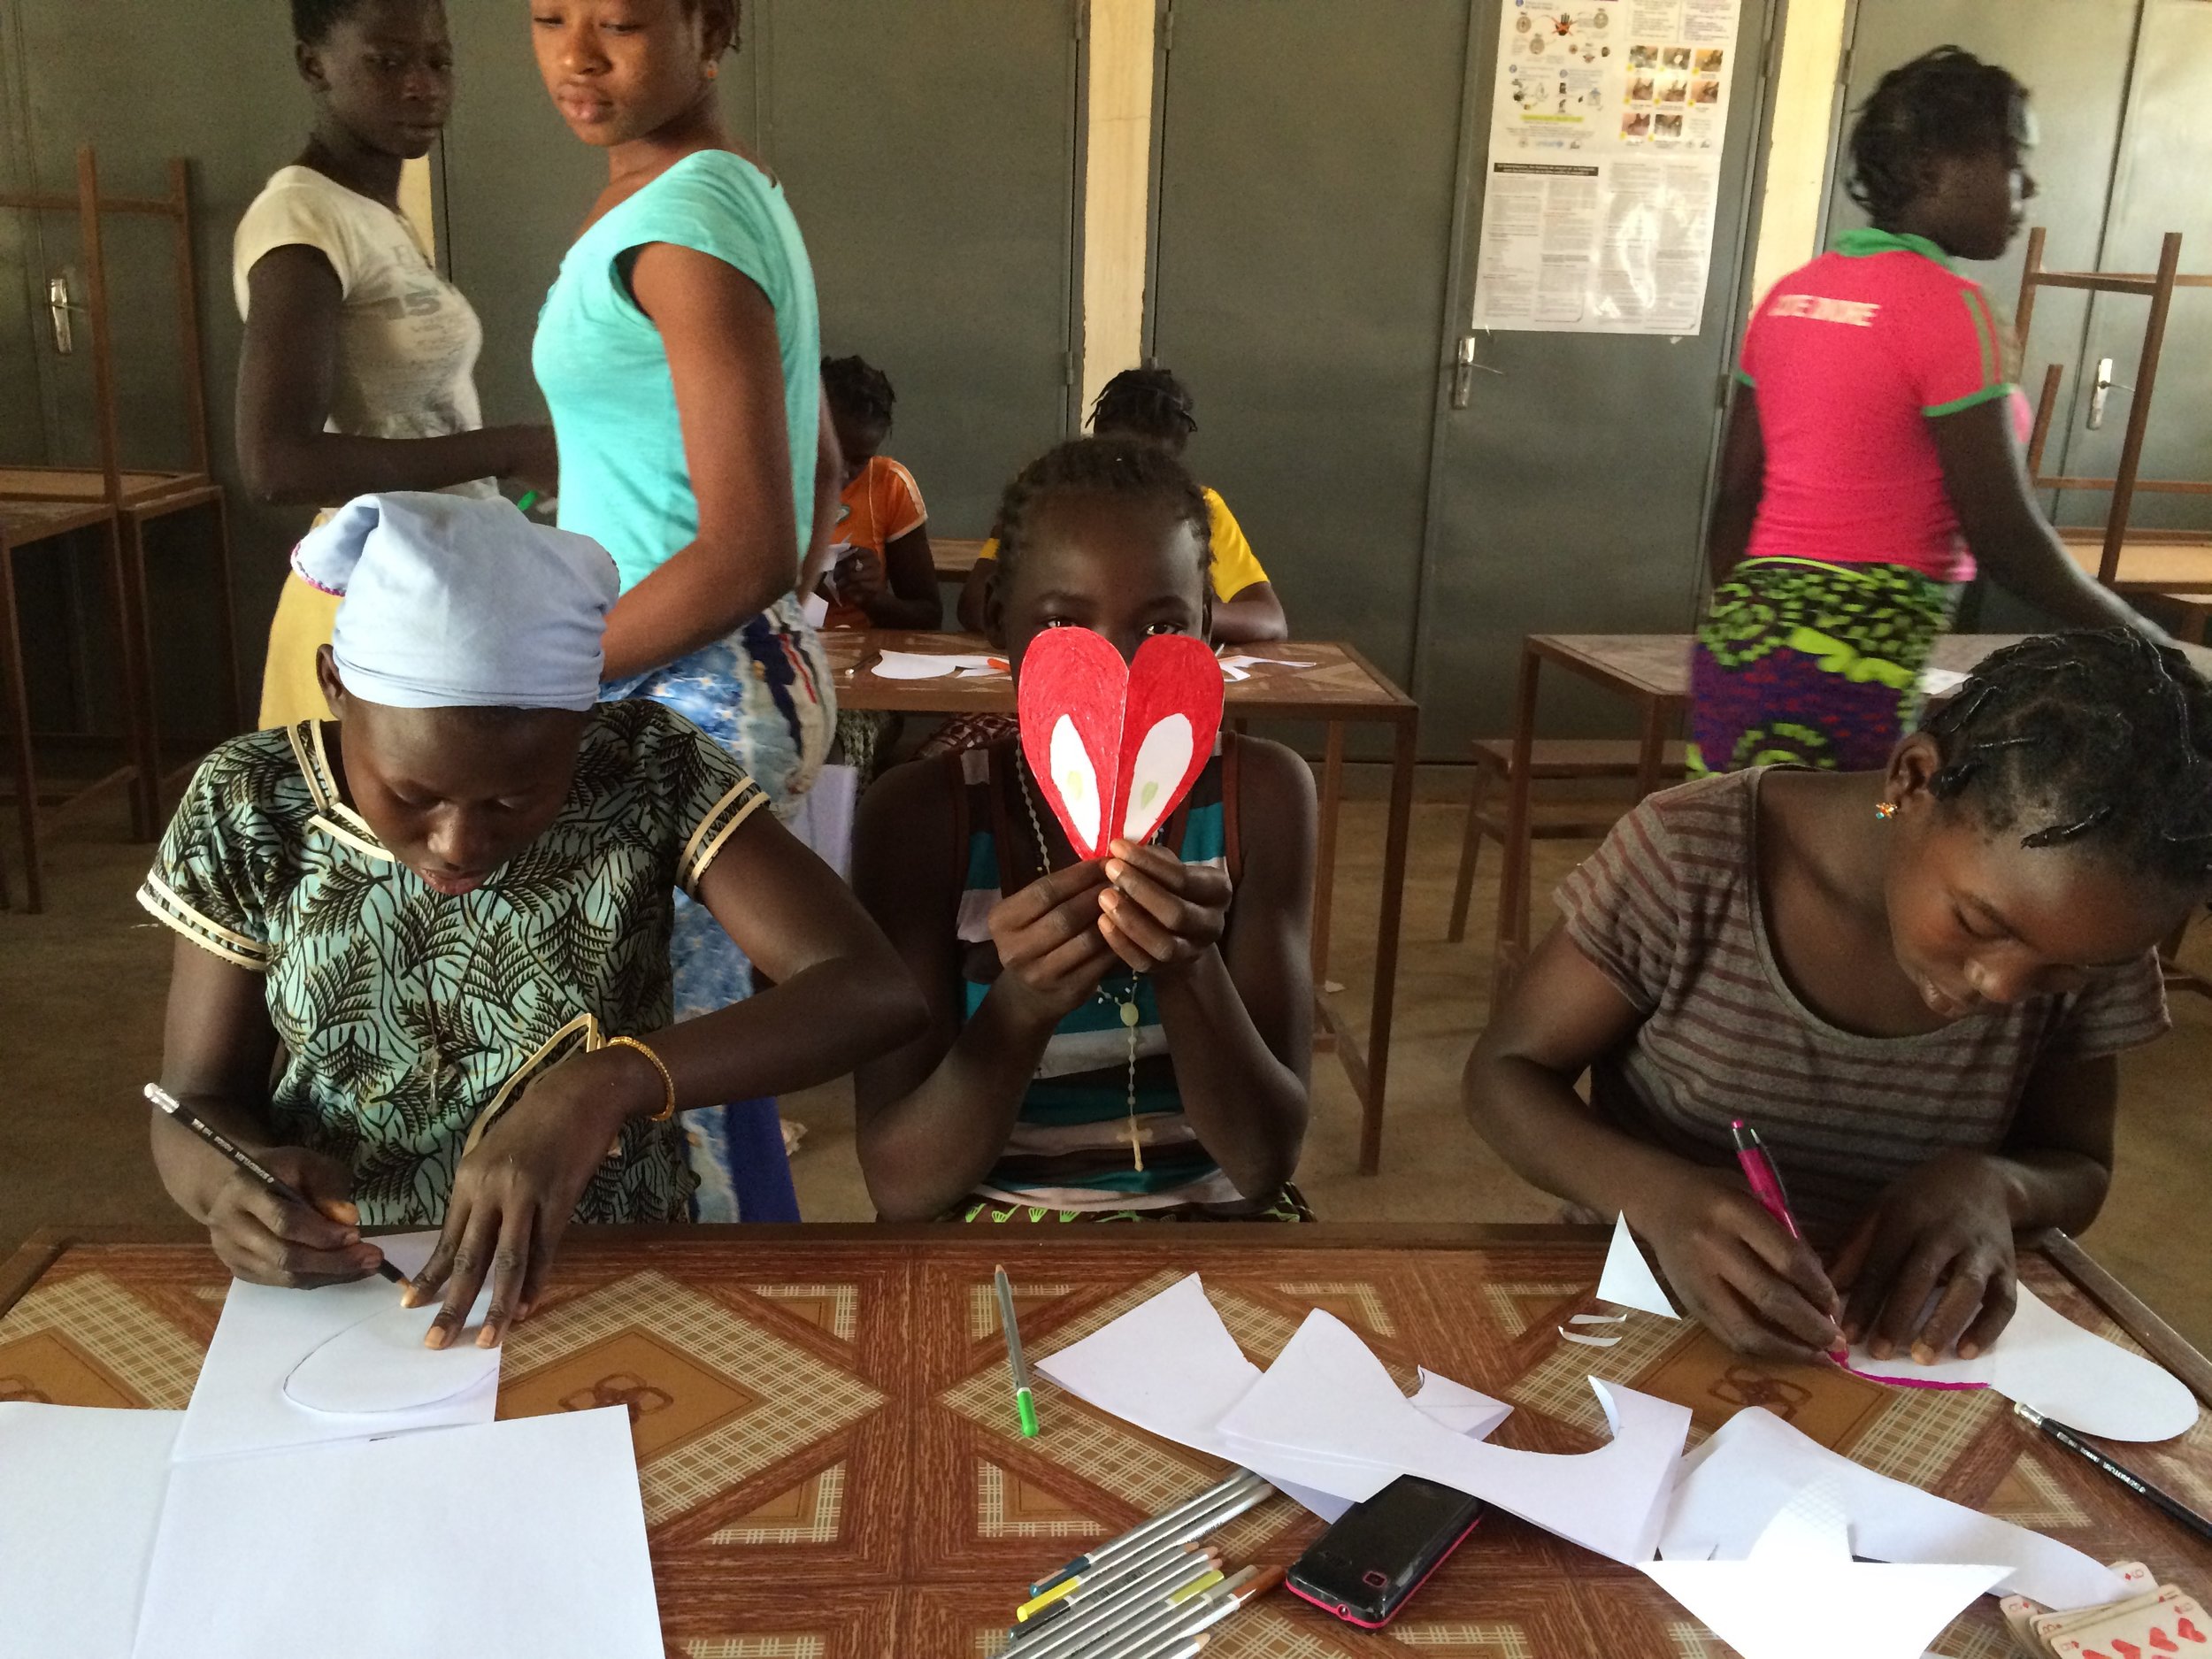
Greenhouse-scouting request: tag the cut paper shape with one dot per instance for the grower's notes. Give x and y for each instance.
(380, 1364)
(1588, 1341)
(2044, 1361)
(522, 1540)
(239, 1403)
(1941, 682)
(1628, 1281)
(1327, 1395)
(934, 665)
(1169, 1366)
(1733, 1486)
(83, 1491)
(1115, 746)
(1797, 1594)
(1239, 666)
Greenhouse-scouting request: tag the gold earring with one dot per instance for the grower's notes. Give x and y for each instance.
(712, 68)
(1886, 810)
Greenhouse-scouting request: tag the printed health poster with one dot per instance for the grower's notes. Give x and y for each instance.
(1604, 165)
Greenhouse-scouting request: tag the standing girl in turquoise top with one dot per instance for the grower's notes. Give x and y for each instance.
(678, 351)
(1111, 1040)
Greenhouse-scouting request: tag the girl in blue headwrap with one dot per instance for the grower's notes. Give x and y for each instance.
(423, 963)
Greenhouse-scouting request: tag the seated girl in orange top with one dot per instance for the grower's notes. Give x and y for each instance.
(883, 576)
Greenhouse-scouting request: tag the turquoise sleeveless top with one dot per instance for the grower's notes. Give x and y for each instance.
(600, 362)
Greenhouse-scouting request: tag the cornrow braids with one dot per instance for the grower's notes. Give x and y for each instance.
(859, 390)
(1944, 103)
(1127, 468)
(2092, 740)
(1150, 403)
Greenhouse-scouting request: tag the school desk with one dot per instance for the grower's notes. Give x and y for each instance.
(1340, 688)
(1652, 671)
(954, 560)
(831, 1468)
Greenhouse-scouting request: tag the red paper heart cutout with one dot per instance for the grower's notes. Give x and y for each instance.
(1115, 746)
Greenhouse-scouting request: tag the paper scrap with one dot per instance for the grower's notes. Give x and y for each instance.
(1169, 1366)
(934, 665)
(1628, 1281)
(1941, 682)
(2048, 1362)
(1733, 1486)
(522, 1540)
(82, 1497)
(1588, 1341)
(1239, 666)
(1798, 1594)
(239, 1403)
(1327, 1395)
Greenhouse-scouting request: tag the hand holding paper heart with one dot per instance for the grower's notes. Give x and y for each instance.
(1113, 746)
(1161, 911)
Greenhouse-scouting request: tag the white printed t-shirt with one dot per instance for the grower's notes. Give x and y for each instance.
(407, 339)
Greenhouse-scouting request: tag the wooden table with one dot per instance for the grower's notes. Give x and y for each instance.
(954, 560)
(2151, 561)
(1340, 688)
(829, 1466)
(1653, 671)
(25, 524)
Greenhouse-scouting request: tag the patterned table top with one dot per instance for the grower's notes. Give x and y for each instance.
(831, 1469)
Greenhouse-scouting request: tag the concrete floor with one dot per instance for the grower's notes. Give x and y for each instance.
(82, 988)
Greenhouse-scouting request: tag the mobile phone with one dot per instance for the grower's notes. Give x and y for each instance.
(1368, 1565)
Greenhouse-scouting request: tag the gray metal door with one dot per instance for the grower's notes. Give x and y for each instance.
(1307, 168)
(1569, 496)
(2159, 185)
(930, 154)
(2076, 57)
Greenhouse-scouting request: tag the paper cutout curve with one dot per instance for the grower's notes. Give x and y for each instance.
(380, 1364)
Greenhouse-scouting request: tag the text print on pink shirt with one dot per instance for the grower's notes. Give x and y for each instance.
(1820, 309)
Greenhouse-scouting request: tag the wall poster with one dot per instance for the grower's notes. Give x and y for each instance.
(1606, 126)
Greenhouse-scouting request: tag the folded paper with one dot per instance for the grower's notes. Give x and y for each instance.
(1628, 1281)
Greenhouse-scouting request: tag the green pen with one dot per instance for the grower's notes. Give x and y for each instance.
(530, 498)
(1024, 1406)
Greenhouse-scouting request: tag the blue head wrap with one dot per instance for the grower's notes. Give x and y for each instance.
(451, 602)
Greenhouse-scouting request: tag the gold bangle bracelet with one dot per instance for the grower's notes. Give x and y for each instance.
(668, 1082)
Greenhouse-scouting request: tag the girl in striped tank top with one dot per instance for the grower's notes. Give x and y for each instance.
(1121, 1039)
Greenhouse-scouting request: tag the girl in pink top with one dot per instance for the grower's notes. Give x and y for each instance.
(1871, 457)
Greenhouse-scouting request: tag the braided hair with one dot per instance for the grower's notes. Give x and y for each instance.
(859, 391)
(1125, 468)
(1150, 403)
(1944, 103)
(2092, 740)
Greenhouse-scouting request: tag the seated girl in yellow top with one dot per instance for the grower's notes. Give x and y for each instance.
(883, 576)
(1152, 405)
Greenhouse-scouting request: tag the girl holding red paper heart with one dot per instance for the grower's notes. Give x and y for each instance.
(1108, 915)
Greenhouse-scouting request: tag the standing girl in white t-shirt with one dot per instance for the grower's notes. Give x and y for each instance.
(356, 373)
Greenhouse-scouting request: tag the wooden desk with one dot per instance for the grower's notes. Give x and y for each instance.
(830, 1465)
(1340, 688)
(25, 524)
(1652, 671)
(954, 560)
(2151, 561)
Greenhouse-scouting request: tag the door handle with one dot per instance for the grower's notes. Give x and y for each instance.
(1463, 367)
(59, 309)
(2100, 391)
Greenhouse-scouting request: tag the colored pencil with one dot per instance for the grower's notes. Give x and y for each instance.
(2155, 1497)
(1100, 1554)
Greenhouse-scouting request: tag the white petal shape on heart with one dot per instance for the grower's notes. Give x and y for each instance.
(1162, 760)
(1077, 781)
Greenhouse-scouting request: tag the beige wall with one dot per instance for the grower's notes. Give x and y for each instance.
(1116, 189)
(1804, 94)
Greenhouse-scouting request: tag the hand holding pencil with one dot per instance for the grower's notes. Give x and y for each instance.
(280, 1215)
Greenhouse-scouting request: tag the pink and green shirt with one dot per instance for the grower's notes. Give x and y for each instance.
(1850, 358)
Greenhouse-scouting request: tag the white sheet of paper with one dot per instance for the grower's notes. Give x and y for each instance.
(380, 1366)
(1327, 1394)
(1740, 1478)
(927, 664)
(1169, 1366)
(1798, 1594)
(1239, 666)
(1937, 682)
(2044, 1361)
(1628, 1281)
(506, 1540)
(80, 1493)
(239, 1403)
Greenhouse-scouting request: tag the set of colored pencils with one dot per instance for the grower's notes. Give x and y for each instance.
(1154, 1593)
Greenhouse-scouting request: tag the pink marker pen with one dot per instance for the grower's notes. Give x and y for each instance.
(1766, 1187)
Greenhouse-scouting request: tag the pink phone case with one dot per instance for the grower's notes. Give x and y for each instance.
(1348, 1617)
